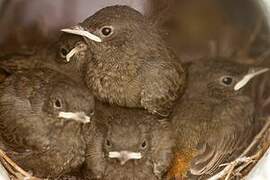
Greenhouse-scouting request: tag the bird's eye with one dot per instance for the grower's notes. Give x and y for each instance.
(63, 52)
(108, 143)
(106, 30)
(144, 145)
(57, 104)
(226, 80)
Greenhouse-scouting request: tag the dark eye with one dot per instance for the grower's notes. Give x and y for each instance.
(227, 80)
(63, 52)
(57, 104)
(106, 31)
(144, 145)
(108, 143)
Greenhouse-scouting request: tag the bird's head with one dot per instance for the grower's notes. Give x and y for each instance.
(72, 49)
(127, 142)
(70, 101)
(116, 32)
(221, 78)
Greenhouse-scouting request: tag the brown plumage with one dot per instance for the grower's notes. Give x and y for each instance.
(131, 66)
(75, 66)
(52, 56)
(3, 74)
(216, 120)
(42, 114)
(129, 144)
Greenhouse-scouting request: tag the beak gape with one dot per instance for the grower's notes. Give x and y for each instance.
(124, 156)
(250, 75)
(78, 30)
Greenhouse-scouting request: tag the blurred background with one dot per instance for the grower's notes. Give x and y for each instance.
(194, 28)
(44, 18)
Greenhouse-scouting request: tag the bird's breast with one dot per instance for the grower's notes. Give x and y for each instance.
(115, 83)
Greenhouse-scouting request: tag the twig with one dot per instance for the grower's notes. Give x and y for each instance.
(257, 137)
(229, 168)
(227, 171)
(230, 171)
(255, 156)
(11, 171)
(16, 167)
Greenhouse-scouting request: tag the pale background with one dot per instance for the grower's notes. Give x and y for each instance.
(52, 14)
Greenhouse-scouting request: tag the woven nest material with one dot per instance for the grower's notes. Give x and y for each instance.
(255, 49)
(244, 167)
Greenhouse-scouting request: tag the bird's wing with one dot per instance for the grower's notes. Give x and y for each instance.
(231, 130)
(16, 112)
(163, 83)
(95, 162)
(15, 62)
(162, 148)
(21, 133)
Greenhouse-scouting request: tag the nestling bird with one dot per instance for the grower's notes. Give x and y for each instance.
(129, 144)
(72, 47)
(67, 55)
(215, 122)
(70, 55)
(42, 116)
(130, 64)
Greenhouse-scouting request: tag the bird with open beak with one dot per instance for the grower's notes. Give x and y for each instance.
(216, 120)
(41, 122)
(130, 64)
(131, 145)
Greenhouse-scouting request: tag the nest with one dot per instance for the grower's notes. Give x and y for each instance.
(242, 167)
(254, 51)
